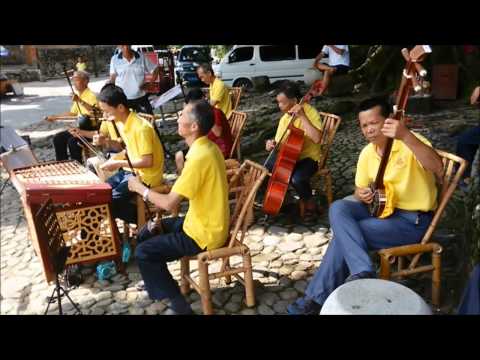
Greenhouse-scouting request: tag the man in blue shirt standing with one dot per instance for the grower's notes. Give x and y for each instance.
(127, 70)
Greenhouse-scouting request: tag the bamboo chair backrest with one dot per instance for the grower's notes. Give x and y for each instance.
(331, 123)
(449, 181)
(235, 94)
(246, 181)
(149, 117)
(453, 168)
(237, 122)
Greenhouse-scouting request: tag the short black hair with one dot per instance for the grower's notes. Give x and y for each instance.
(290, 90)
(194, 94)
(367, 104)
(206, 67)
(113, 95)
(202, 113)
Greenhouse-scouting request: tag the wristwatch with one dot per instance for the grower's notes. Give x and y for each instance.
(145, 194)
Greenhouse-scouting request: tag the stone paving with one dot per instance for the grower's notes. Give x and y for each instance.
(285, 253)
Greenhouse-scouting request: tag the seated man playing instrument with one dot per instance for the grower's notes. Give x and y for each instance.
(143, 148)
(218, 92)
(84, 103)
(203, 182)
(411, 171)
(307, 119)
(220, 133)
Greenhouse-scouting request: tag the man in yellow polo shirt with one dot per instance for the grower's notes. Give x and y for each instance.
(203, 182)
(219, 94)
(83, 104)
(143, 147)
(308, 119)
(411, 171)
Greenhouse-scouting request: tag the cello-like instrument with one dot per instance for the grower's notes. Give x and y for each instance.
(288, 153)
(409, 80)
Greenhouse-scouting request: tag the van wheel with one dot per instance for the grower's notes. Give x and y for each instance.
(244, 83)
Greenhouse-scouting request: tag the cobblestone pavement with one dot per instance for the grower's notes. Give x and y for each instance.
(285, 253)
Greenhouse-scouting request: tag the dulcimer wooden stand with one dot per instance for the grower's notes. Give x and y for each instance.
(82, 207)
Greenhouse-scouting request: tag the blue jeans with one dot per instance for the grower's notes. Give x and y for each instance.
(470, 304)
(122, 207)
(467, 146)
(355, 232)
(153, 253)
(300, 179)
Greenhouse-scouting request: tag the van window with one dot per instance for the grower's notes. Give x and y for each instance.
(277, 52)
(309, 52)
(241, 54)
(194, 54)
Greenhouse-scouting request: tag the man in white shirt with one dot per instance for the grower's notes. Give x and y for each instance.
(127, 71)
(338, 63)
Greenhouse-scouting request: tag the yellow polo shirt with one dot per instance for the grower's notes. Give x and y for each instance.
(89, 97)
(107, 129)
(141, 139)
(310, 149)
(204, 183)
(219, 92)
(414, 188)
(81, 66)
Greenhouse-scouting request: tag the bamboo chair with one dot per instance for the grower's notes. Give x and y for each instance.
(252, 175)
(331, 123)
(237, 122)
(412, 253)
(235, 94)
(151, 118)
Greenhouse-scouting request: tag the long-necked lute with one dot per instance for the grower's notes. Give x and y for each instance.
(409, 81)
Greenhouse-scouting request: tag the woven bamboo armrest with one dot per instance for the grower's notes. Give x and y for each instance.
(410, 250)
(222, 252)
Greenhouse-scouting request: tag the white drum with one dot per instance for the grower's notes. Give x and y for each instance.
(374, 297)
(311, 75)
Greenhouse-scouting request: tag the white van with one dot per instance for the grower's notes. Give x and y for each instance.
(278, 62)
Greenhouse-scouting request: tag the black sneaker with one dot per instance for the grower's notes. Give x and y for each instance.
(362, 275)
(304, 307)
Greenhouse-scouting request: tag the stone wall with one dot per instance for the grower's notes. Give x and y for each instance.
(52, 60)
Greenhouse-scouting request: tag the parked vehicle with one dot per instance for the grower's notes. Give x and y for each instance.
(10, 86)
(188, 59)
(148, 51)
(278, 62)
